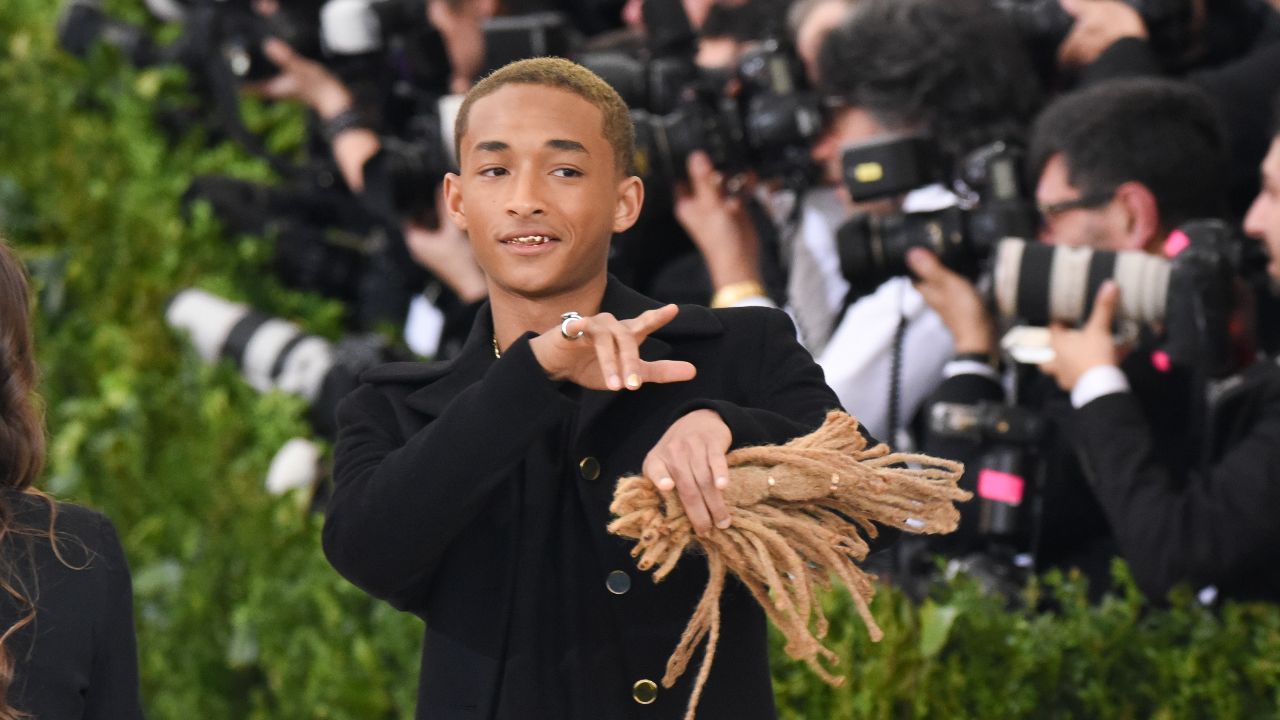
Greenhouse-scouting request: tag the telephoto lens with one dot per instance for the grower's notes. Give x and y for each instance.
(1041, 284)
(272, 354)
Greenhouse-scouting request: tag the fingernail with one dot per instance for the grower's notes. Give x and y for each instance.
(722, 482)
(633, 381)
(614, 382)
(724, 524)
(666, 483)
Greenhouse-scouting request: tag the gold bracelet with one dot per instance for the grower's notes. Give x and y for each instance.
(734, 293)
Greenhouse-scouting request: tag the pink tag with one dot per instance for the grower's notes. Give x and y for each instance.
(1176, 243)
(1160, 361)
(1000, 486)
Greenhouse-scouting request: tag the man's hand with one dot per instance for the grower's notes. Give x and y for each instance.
(302, 79)
(690, 457)
(956, 301)
(1099, 24)
(608, 352)
(1077, 351)
(718, 224)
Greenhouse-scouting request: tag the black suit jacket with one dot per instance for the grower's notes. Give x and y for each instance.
(79, 659)
(1182, 499)
(475, 494)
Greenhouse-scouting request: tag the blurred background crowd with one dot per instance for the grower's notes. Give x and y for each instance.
(1040, 236)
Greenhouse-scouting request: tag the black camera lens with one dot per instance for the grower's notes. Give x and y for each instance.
(873, 249)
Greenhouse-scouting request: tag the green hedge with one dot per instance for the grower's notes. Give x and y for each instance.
(238, 614)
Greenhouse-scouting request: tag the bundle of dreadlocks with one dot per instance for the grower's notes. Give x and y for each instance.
(796, 511)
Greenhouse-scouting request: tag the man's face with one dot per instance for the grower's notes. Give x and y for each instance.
(1074, 217)
(1263, 220)
(847, 126)
(538, 192)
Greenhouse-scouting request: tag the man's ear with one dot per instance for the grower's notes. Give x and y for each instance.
(1141, 215)
(630, 200)
(453, 200)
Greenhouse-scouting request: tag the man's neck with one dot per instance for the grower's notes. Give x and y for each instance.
(515, 315)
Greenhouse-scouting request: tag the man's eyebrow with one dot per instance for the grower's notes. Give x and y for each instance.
(492, 146)
(567, 146)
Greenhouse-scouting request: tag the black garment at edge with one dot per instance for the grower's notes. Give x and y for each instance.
(475, 494)
(79, 659)
(1124, 475)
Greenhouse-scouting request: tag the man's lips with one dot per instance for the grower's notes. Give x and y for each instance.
(529, 239)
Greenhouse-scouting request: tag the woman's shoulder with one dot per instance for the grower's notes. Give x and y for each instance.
(81, 535)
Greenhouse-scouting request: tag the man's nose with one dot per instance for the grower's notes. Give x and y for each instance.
(526, 196)
(1253, 225)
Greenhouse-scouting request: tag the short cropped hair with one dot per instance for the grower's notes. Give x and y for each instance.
(1162, 133)
(564, 75)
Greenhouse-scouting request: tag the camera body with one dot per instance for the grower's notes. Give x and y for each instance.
(759, 115)
(993, 202)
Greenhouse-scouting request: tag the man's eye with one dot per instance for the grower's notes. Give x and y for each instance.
(567, 172)
(493, 171)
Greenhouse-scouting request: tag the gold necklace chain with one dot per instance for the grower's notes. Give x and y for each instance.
(496, 352)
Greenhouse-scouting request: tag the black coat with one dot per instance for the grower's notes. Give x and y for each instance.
(1183, 496)
(475, 494)
(79, 659)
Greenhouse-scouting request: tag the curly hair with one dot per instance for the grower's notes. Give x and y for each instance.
(953, 68)
(564, 75)
(22, 445)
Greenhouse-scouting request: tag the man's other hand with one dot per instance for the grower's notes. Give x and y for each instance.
(1077, 351)
(690, 458)
(607, 355)
(956, 301)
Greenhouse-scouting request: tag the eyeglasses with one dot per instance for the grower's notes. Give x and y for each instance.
(1048, 211)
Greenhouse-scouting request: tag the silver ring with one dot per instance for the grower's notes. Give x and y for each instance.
(565, 319)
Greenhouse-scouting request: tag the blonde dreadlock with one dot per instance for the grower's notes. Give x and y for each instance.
(796, 509)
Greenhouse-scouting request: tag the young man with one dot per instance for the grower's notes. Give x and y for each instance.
(475, 493)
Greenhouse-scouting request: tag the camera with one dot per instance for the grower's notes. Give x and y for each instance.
(228, 33)
(993, 203)
(996, 540)
(1186, 298)
(275, 354)
(764, 119)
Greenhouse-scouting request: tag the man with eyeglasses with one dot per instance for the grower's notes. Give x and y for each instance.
(1118, 167)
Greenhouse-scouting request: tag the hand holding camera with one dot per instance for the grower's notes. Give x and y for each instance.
(1078, 351)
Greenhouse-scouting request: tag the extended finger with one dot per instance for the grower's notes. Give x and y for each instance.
(628, 356)
(278, 51)
(646, 322)
(667, 371)
(606, 351)
(1104, 307)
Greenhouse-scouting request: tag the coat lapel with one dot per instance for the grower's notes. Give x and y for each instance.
(446, 379)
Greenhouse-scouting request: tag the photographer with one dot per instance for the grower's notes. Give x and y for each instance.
(1183, 475)
(359, 152)
(953, 71)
